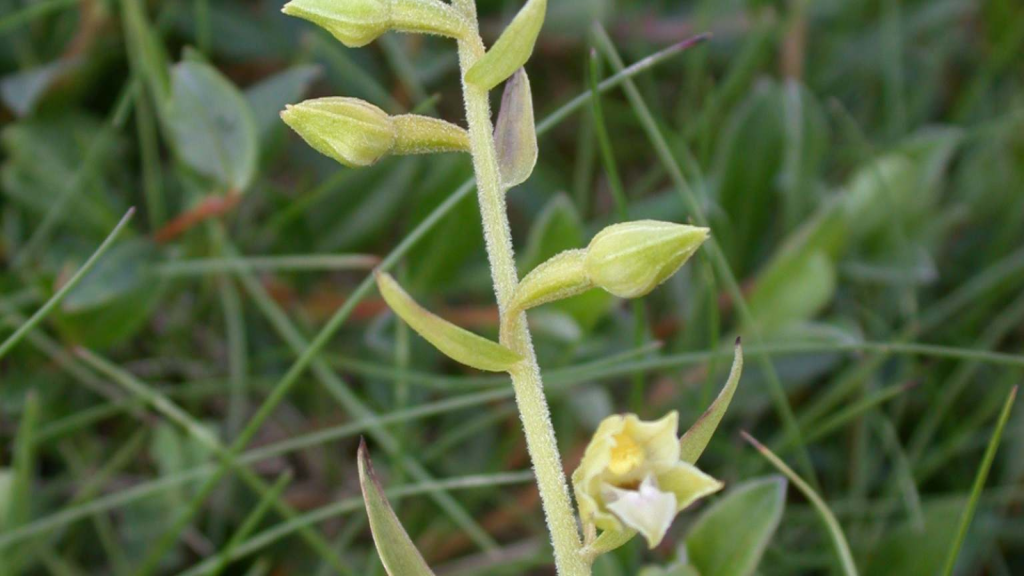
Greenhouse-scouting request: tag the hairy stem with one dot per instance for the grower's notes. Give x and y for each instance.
(526, 380)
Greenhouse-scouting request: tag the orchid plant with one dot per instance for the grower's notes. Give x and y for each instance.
(636, 476)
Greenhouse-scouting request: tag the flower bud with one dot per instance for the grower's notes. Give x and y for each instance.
(631, 259)
(353, 132)
(358, 22)
(358, 134)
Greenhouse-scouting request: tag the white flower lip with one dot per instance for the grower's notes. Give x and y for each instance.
(647, 509)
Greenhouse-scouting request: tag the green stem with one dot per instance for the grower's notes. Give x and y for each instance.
(526, 380)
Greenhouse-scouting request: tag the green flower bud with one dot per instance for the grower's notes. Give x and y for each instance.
(633, 258)
(358, 22)
(358, 134)
(353, 132)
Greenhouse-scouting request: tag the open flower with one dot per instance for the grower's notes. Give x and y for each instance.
(632, 477)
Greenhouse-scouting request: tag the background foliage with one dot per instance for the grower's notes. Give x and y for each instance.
(862, 163)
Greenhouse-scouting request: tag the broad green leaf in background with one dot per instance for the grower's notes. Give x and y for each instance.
(696, 439)
(397, 551)
(906, 550)
(211, 125)
(795, 291)
(126, 267)
(455, 342)
(512, 49)
(799, 280)
(515, 134)
(730, 537)
(116, 299)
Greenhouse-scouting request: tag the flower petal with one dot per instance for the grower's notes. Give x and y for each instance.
(688, 484)
(648, 510)
(658, 438)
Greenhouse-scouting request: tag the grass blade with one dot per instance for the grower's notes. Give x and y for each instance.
(979, 483)
(54, 300)
(834, 529)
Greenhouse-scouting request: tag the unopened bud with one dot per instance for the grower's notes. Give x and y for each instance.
(353, 132)
(358, 22)
(358, 134)
(633, 258)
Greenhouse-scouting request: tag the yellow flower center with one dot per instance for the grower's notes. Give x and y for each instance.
(627, 455)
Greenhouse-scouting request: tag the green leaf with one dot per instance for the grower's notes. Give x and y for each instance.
(455, 342)
(910, 550)
(515, 134)
(211, 125)
(397, 552)
(115, 299)
(731, 536)
(696, 439)
(126, 267)
(513, 48)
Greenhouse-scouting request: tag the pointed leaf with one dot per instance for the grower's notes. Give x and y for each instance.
(397, 552)
(696, 439)
(732, 535)
(515, 134)
(513, 48)
(459, 344)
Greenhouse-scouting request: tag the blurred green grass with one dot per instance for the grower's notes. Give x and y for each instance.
(861, 165)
